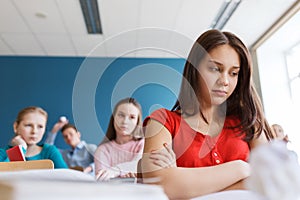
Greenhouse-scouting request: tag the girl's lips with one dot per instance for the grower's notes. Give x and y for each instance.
(220, 93)
(123, 127)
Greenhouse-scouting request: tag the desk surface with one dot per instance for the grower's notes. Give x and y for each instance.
(232, 195)
(65, 184)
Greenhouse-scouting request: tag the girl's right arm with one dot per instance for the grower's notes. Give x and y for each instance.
(193, 181)
(100, 158)
(103, 170)
(18, 140)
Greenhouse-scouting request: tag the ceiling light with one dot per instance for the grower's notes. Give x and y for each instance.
(225, 12)
(91, 16)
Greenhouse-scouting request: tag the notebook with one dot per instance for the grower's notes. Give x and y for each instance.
(15, 153)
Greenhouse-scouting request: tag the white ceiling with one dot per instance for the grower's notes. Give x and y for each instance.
(131, 28)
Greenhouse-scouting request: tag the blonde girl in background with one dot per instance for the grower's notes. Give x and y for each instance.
(29, 128)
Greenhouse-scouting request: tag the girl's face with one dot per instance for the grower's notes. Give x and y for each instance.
(219, 75)
(279, 132)
(125, 119)
(71, 136)
(31, 128)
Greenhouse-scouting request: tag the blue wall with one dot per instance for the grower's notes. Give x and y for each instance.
(84, 89)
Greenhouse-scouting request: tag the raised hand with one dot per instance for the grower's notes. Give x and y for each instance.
(58, 125)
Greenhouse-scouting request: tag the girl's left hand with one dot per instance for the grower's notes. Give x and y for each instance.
(107, 174)
(164, 158)
(129, 175)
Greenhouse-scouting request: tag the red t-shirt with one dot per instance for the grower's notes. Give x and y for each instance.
(194, 149)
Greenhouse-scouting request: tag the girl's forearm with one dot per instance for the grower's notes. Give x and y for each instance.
(199, 181)
(237, 186)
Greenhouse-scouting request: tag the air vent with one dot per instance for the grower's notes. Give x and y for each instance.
(91, 16)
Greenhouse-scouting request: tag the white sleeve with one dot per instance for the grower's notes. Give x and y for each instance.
(50, 138)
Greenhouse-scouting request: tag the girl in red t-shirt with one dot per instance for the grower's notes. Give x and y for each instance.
(213, 125)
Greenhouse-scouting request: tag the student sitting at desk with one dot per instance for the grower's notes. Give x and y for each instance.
(122, 147)
(81, 154)
(279, 133)
(215, 122)
(29, 129)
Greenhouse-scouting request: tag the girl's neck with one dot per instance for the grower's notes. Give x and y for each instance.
(209, 112)
(213, 112)
(32, 150)
(123, 139)
(210, 122)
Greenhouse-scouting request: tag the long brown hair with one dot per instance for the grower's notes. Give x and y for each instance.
(243, 103)
(137, 132)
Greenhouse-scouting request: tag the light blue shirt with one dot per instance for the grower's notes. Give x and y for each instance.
(82, 155)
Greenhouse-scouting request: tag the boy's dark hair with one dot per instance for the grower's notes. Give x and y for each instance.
(68, 126)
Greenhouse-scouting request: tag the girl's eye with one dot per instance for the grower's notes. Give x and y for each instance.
(41, 126)
(121, 115)
(132, 117)
(214, 68)
(234, 73)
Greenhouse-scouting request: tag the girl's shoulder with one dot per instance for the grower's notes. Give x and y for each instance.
(171, 120)
(163, 114)
(105, 146)
(48, 148)
(138, 143)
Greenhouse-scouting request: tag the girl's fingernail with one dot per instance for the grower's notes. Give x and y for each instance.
(165, 144)
(152, 151)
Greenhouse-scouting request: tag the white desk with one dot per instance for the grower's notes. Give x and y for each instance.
(232, 195)
(65, 184)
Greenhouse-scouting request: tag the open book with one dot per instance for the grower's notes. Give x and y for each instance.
(15, 153)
